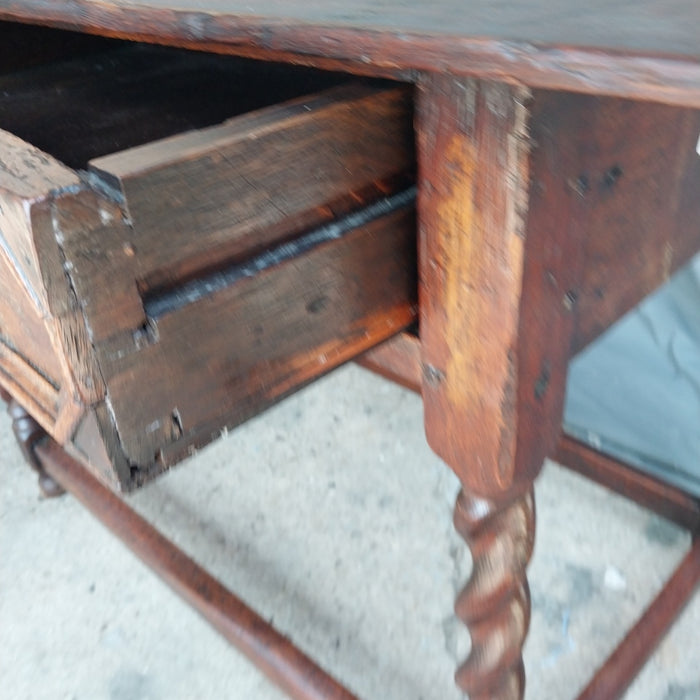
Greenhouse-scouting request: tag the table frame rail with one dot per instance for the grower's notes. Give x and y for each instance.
(275, 655)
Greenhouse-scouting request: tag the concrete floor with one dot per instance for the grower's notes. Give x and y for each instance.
(329, 515)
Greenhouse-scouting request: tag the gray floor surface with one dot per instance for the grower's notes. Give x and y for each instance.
(330, 516)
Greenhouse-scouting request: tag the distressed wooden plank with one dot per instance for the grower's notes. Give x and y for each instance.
(33, 287)
(46, 358)
(28, 179)
(472, 180)
(495, 335)
(214, 197)
(473, 174)
(96, 240)
(29, 386)
(236, 188)
(76, 357)
(638, 181)
(23, 328)
(346, 148)
(644, 49)
(218, 361)
(96, 443)
(613, 210)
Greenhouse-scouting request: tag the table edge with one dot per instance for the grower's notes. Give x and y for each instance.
(667, 79)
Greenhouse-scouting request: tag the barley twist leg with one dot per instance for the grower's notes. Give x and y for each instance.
(28, 433)
(495, 603)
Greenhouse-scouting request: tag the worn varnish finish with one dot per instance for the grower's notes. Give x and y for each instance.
(473, 177)
(28, 360)
(34, 295)
(259, 179)
(472, 139)
(495, 603)
(259, 339)
(249, 343)
(642, 49)
(638, 207)
(270, 276)
(615, 183)
(494, 324)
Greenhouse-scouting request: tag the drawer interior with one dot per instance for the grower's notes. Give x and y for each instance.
(26, 45)
(115, 95)
(216, 233)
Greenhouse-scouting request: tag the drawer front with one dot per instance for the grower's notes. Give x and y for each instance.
(193, 203)
(186, 284)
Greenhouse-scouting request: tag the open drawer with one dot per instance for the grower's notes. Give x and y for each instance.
(186, 238)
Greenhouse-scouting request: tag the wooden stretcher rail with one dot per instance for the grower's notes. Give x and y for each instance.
(397, 360)
(623, 665)
(666, 500)
(270, 651)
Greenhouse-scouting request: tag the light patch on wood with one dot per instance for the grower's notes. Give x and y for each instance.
(482, 291)
(474, 206)
(27, 172)
(518, 168)
(667, 262)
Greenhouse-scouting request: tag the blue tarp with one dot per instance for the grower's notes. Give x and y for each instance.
(635, 392)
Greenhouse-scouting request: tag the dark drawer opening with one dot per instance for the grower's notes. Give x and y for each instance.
(115, 95)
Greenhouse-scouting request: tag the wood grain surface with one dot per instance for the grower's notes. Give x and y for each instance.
(223, 359)
(33, 288)
(201, 206)
(638, 207)
(232, 190)
(646, 49)
(90, 256)
(473, 152)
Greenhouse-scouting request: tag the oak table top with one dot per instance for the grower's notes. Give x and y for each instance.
(640, 48)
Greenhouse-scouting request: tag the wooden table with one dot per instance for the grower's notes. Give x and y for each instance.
(558, 183)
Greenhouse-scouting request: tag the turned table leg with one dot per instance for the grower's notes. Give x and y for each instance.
(28, 433)
(495, 603)
(495, 338)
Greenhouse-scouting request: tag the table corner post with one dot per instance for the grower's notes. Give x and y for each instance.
(494, 351)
